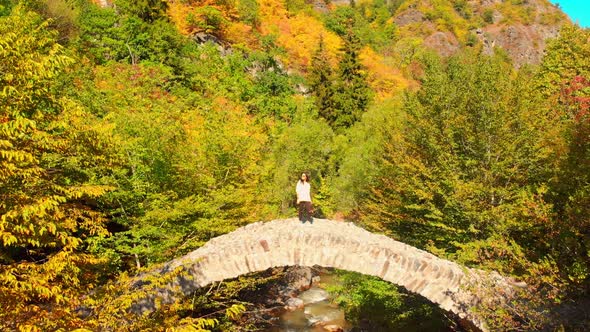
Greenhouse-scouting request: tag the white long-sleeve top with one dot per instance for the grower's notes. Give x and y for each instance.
(303, 192)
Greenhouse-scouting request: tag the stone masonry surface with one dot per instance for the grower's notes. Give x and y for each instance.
(327, 243)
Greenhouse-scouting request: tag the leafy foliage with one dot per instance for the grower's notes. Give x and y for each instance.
(378, 305)
(133, 35)
(53, 156)
(148, 10)
(472, 170)
(563, 80)
(125, 142)
(567, 57)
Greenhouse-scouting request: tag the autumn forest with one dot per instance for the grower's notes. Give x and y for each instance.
(133, 131)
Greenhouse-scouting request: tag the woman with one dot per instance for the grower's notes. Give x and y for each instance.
(303, 190)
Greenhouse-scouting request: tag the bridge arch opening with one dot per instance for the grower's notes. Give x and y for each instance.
(386, 306)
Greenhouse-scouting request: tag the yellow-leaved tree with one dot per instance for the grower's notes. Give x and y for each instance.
(52, 162)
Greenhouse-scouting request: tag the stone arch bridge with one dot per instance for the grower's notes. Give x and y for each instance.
(327, 243)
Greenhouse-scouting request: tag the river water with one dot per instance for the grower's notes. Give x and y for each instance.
(318, 311)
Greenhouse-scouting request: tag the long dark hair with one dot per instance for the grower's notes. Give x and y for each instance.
(306, 177)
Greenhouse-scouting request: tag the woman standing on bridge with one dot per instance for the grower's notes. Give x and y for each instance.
(303, 190)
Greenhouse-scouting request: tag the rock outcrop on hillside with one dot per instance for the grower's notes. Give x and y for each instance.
(445, 43)
(521, 28)
(524, 44)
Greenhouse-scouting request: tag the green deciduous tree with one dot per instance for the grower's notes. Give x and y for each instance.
(296, 151)
(110, 35)
(566, 57)
(370, 21)
(377, 305)
(248, 10)
(571, 189)
(563, 81)
(192, 166)
(362, 150)
(466, 176)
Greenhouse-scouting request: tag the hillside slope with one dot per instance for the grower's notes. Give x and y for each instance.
(393, 32)
(521, 27)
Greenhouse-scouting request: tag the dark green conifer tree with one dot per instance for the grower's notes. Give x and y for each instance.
(321, 84)
(353, 93)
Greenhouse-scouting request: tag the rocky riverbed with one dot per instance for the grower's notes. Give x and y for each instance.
(312, 310)
(296, 301)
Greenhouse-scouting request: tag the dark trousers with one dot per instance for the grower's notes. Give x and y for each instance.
(305, 211)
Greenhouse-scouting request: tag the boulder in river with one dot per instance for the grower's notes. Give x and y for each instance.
(314, 295)
(294, 304)
(333, 328)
